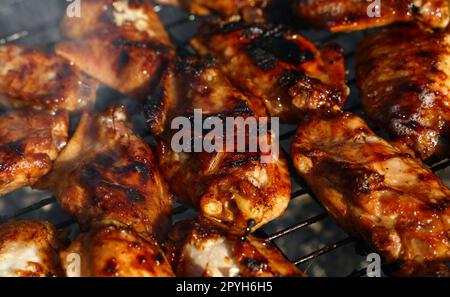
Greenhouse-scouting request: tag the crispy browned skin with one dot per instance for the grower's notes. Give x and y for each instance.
(30, 77)
(29, 141)
(282, 68)
(110, 251)
(404, 77)
(121, 43)
(373, 190)
(106, 173)
(29, 249)
(205, 248)
(223, 7)
(345, 15)
(230, 187)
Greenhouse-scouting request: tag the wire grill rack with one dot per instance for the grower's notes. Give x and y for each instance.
(35, 22)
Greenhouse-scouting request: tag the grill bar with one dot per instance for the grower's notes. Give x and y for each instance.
(29, 209)
(324, 250)
(297, 227)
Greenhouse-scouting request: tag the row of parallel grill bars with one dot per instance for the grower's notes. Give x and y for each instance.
(24, 34)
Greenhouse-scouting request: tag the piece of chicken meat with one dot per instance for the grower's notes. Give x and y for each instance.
(282, 68)
(107, 174)
(112, 251)
(203, 248)
(30, 77)
(29, 249)
(29, 142)
(353, 15)
(403, 74)
(122, 43)
(236, 188)
(226, 8)
(375, 191)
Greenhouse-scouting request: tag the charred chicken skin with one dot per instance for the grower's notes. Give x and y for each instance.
(404, 77)
(29, 141)
(112, 251)
(30, 77)
(282, 68)
(122, 43)
(107, 174)
(374, 191)
(203, 248)
(353, 15)
(234, 188)
(29, 249)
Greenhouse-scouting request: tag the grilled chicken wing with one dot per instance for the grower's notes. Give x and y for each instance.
(32, 78)
(29, 249)
(237, 188)
(122, 43)
(205, 248)
(111, 251)
(373, 190)
(29, 141)
(225, 8)
(404, 77)
(352, 15)
(282, 68)
(106, 173)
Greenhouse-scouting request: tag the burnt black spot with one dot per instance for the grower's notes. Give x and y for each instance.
(441, 206)
(135, 195)
(263, 59)
(139, 168)
(426, 54)
(159, 259)
(191, 66)
(16, 147)
(290, 77)
(409, 87)
(413, 9)
(90, 174)
(246, 159)
(267, 50)
(142, 259)
(111, 266)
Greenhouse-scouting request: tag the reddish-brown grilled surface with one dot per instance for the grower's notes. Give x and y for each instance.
(111, 251)
(352, 15)
(223, 7)
(205, 248)
(403, 75)
(374, 191)
(30, 77)
(29, 249)
(282, 68)
(29, 141)
(121, 43)
(106, 173)
(230, 187)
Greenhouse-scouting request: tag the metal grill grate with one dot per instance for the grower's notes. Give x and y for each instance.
(181, 27)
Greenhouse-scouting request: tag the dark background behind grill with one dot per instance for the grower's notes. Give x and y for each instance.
(307, 234)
